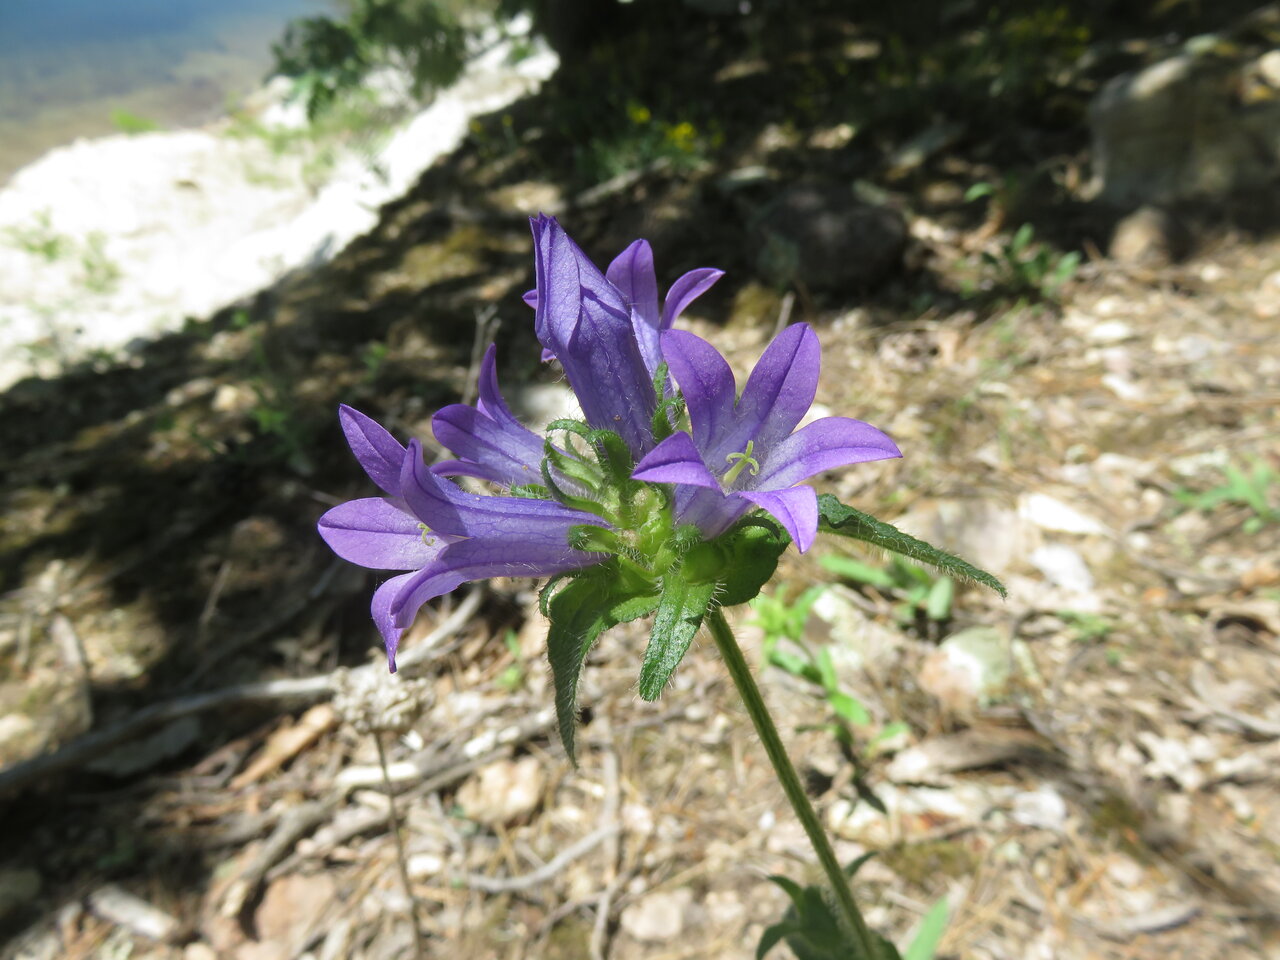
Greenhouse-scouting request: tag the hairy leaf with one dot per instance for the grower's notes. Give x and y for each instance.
(679, 615)
(844, 521)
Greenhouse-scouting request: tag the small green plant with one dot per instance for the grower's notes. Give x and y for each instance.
(782, 621)
(131, 123)
(100, 274)
(1086, 627)
(513, 675)
(374, 357)
(40, 239)
(328, 58)
(275, 412)
(1255, 490)
(919, 594)
(812, 928)
(1024, 268)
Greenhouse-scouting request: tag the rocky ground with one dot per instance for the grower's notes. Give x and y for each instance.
(188, 680)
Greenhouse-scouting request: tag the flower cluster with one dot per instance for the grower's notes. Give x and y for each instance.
(644, 480)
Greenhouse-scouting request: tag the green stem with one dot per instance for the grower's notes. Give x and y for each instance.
(731, 653)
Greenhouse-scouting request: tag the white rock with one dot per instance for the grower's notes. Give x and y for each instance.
(968, 669)
(658, 917)
(503, 792)
(1049, 513)
(1063, 567)
(1043, 808)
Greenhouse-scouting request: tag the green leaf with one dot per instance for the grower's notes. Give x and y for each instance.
(938, 603)
(792, 889)
(884, 949)
(847, 522)
(579, 613)
(1022, 238)
(773, 935)
(678, 617)
(977, 191)
(927, 938)
(848, 708)
(857, 571)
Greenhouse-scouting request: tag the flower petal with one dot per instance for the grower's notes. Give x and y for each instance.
(632, 273)
(488, 440)
(378, 452)
(782, 386)
(383, 597)
(709, 510)
(675, 460)
(480, 559)
(709, 389)
(687, 289)
(796, 508)
(585, 322)
(823, 445)
(447, 508)
(378, 534)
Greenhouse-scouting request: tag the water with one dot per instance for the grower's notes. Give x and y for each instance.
(66, 65)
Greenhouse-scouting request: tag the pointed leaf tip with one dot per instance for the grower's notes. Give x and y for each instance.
(835, 517)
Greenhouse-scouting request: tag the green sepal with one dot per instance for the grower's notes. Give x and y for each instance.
(593, 539)
(752, 550)
(560, 494)
(568, 425)
(679, 615)
(670, 408)
(569, 465)
(835, 517)
(530, 491)
(613, 456)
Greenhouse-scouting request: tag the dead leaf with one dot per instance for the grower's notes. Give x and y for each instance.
(286, 743)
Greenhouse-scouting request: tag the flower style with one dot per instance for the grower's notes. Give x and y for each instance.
(742, 452)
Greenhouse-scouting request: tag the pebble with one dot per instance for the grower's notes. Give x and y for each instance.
(658, 917)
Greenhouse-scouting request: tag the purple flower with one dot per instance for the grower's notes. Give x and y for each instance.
(604, 328)
(489, 442)
(438, 532)
(741, 452)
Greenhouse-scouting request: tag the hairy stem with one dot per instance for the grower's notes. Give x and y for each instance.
(731, 653)
(402, 861)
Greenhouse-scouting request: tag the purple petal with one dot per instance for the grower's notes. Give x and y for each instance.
(781, 388)
(480, 559)
(383, 597)
(378, 452)
(377, 534)
(502, 454)
(446, 508)
(687, 289)
(531, 298)
(796, 508)
(709, 510)
(633, 275)
(675, 460)
(709, 389)
(488, 440)
(585, 322)
(823, 445)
